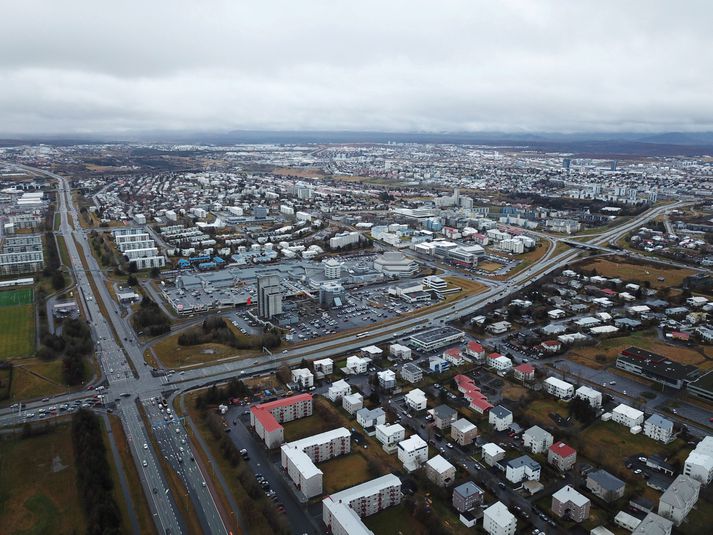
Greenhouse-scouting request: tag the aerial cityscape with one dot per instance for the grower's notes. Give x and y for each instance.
(308, 289)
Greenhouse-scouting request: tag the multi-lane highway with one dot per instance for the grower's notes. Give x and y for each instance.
(131, 382)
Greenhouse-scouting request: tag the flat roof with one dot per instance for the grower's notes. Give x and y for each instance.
(436, 334)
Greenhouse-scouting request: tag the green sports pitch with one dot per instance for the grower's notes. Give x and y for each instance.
(16, 297)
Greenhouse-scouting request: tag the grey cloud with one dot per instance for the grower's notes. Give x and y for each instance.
(87, 66)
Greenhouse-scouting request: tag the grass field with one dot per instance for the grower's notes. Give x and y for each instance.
(173, 355)
(345, 471)
(611, 347)
(17, 331)
(5, 378)
(38, 487)
(34, 378)
(643, 273)
(539, 410)
(21, 296)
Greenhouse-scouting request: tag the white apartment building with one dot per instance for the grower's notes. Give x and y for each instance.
(324, 366)
(342, 512)
(370, 417)
(492, 453)
(440, 471)
(499, 363)
(390, 436)
(298, 458)
(338, 390)
(593, 397)
(498, 520)
(303, 378)
(537, 439)
(558, 388)
(411, 373)
(679, 499)
(387, 379)
(659, 428)
(699, 463)
(357, 365)
(500, 418)
(353, 402)
(627, 416)
(400, 351)
(412, 452)
(522, 468)
(343, 239)
(416, 400)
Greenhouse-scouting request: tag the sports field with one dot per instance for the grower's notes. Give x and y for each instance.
(17, 323)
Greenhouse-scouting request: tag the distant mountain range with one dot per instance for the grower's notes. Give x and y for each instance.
(607, 144)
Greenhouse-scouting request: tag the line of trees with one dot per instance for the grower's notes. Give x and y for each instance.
(215, 330)
(94, 479)
(235, 388)
(150, 319)
(73, 345)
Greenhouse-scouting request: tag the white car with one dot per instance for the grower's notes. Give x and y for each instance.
(146, 446)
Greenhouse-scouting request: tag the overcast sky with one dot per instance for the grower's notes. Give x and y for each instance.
(532, 65)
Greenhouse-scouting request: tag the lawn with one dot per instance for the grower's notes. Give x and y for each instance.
(34, 378)
(305, 427)
(609, 444)
(539, 410)
(22, 296)
(643, 273)
(611, 347)
(489, 266)
(173, 355)
(394, 521)
(17, 331)
(38, 490)
(345, 471)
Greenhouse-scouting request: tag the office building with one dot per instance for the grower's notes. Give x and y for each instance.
(269, 296)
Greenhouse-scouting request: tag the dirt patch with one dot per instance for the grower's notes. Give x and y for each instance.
(639, 272)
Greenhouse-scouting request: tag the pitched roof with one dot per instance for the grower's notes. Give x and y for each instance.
(562, 450)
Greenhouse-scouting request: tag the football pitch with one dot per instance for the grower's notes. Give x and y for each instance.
(17, 323)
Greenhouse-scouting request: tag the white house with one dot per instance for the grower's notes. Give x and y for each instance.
(522, 468)
(303, 377)
(537, 439)
(400, 351)
(416, 400)
(627, 416)
(558, 388)
(699, 463)
(353, 402)
(412, 452)
(390, 436)
(370, 417)
(387, 379)
(659, 428)
(499, 362)
(593, 397)
(492, 453)
(498, 520)
(338, 390)
(500, 418)
(679, 499)
(357, 365)
(440, 471)
(323, 366)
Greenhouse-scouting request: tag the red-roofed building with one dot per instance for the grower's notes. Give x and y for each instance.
(551, 346)
(561, 455)
(475, 350)
(477, 400)
(267, 417)
(454, 356)
(681, 337)
(524, 372)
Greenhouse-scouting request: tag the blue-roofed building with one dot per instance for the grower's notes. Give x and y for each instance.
(218, 260)
(183, 263)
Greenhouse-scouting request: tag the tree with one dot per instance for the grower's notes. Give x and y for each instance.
(131, 280)
(284, 373)
(58, 281)
(154, 273)
(132, 267)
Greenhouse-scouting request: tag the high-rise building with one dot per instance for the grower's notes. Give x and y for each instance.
(269, 296)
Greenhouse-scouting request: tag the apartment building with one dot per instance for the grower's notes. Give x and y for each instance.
(411, 373)
(267, 417)
(299, 458)
(498, 520)
(467, 496)
(627, 416)
(659, 428)
(412, 452)
(500, 418)
(21, 254)
(323, 366)
(522, 468)
(463, 432)
(679, 499)
(492, 453)
(342, 512)
(699, 463)
(303, 378)
(338, 390)
(440, 471)
(569, 504)
(604, 485)
(416, 400)
(537, 439)
(562, 456)
(390, 436)
(353, 403)
(387, 379)
(591, 396)
(558, 388)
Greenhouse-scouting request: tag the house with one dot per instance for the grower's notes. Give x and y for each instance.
(454, 356)
(500, 418)
(370, 418)
(476, 399)
(593, 397)
(342, 512)
(699, 463)
(387, 379)
(444, 416)
(653, 524)
(411, 373)
(475, 350)
(357, 365)
(558, 388)
(372, 352)
(537, 439)
(323, 366)
(499, 327)
(551, 346)
(492, 453)
(562, 456)
(524, 372)
(416, 400)
(390, 436)
(412, 452)
(498, 362)
(353, 402)
(569, 504)
(338, 390)
(303, 378)
(440, 471)
(399, 351)
(463, 432)
(438, 365)
(556, 314)
(659, 428)
(522, 468)
(679, 499)
(627, 416)
(467, 496)
(604, 485)
(498, 520)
